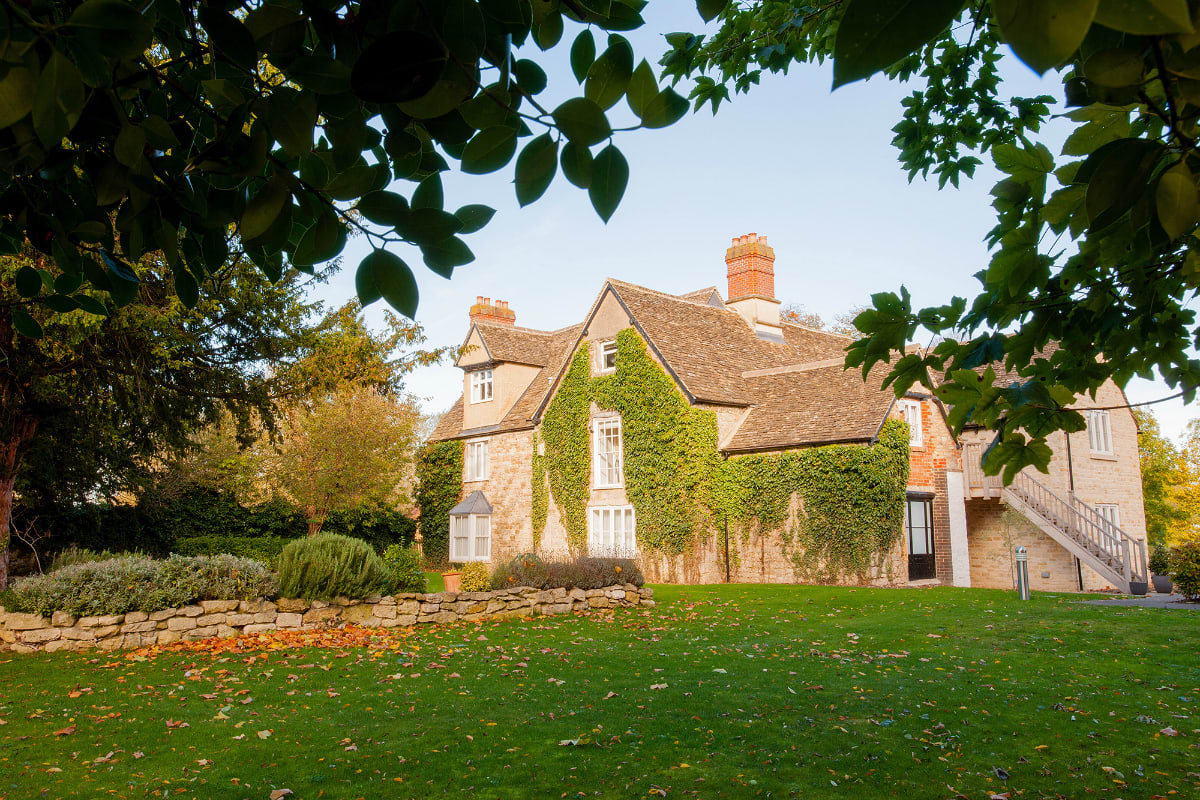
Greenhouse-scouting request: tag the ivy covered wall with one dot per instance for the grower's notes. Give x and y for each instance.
(439, 484)
(850, 497)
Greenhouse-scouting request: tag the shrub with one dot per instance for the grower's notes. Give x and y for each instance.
(261, 548)
(1160, 560)
(139, 583)
(380, 527)
(404, 564)
(81, 555)
(577, 573)
(329, 565)
(1185, 569)
(475, 577)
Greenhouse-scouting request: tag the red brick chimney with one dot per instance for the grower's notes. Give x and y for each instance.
(751, 267)
(487, 311)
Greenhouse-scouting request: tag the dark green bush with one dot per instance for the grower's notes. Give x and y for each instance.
(140, 583)
(1185, 569)
(1160, 559)
(404, 563)
(576, 573)
(330, 565)
(380, 527)
(263, 548)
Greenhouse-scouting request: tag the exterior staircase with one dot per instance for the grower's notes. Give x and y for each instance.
(1082, 530)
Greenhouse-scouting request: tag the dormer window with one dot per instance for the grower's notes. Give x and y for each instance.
(481, 385)
(911, 411)
(608, 356)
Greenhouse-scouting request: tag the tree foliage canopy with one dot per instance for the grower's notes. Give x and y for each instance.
(1095, 250)
(286, 123)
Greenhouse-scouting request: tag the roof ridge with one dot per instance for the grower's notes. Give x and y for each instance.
(675, 297)
(811, 329)
(504, 326)
(806, 366)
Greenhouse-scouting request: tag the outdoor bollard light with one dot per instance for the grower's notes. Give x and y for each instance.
(1023, 573)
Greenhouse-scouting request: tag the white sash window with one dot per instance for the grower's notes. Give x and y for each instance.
(481, 385)
(612, 531)
(470, 537)
(477, 460)
(911, 409)
(607, 463)
(1099, 428)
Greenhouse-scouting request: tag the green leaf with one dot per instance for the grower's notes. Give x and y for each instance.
(229, 36)
(489, 150)
(1145, 17)
(1114, 67)
(398, 67)
(91, 305)
(26, 325)
(643, 88)
(577, 164)
(114, 27)
(1176, 202)
(130, 146)
(291, 118)
(874, 34)
(429, 193)
(1102, 124)
(1044, 34)
(263, 209)
(61, 303)
(610, 176)
(384, 208)
(709, 9)
(118, 268)
(320, 74)
(583, 53)
(535, 168)
(474, 217)
(186, 287)
(58, 101)
(530, 77)
(609, 75)
(430, 225)
(442, 257)
(582, 121)
(1117, 175)
(382, 274)
(18, 88)
(29, 282)
(665, 109)
(323, 240)
(549, 31)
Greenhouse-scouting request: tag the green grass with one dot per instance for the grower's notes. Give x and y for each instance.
(729, 691)
(434, 582)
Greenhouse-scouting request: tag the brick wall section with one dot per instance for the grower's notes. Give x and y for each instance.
(510, 458)
(941, 530)
(927, 473)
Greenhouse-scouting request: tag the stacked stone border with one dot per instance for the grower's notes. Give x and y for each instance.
(32, 633)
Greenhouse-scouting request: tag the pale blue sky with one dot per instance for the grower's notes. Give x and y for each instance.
(814, 171)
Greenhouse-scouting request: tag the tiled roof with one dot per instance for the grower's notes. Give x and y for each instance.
(703, 296)
(811, 406)
(559, 345)
(515, 345)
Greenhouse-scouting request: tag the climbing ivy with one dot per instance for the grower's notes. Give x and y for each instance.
(540, 492)
(670, 447)
(851, 497)
(439, 484)
(568, 455)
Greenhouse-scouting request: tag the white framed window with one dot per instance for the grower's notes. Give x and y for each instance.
(481, 385)
(1099, 428)
(477, 460)
(612, 531)
(608, 356)
(1111, 512)
(606, 450)
(470, 537)
(911, 410)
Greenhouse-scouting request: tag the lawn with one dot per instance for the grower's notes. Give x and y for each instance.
(728, 691)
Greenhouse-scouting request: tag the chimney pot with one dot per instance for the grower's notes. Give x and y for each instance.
(485, 309)
(751, 267)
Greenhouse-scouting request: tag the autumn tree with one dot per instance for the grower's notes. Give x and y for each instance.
(1164, 472)
(842, 324)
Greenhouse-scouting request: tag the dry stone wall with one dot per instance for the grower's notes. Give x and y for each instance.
(32, 633)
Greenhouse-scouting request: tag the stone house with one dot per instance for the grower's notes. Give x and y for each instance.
(775, 388)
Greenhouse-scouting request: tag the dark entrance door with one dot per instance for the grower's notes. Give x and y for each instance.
(918, 519)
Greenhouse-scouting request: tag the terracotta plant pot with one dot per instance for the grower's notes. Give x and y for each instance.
(451, 580)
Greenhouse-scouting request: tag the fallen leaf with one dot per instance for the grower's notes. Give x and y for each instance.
(264, 734)
(277, 794)
(658, 686)
(1169, 731)
(67, 731)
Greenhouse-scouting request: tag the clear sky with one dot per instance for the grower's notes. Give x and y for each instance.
(814, 171)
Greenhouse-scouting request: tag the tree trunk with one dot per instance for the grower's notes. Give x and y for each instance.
(19, 434)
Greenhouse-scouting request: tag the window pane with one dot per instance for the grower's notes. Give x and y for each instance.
(483, 527)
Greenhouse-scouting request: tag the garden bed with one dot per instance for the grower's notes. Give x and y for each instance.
(31, 633)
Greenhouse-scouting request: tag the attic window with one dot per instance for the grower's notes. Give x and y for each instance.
(911, 409)
(481, 385)
(608, 356)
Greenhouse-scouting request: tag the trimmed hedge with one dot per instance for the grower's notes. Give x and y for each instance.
(330, 565)
(140, 583)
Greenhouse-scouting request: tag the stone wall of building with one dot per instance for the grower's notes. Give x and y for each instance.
(31, 633)
(508, 489)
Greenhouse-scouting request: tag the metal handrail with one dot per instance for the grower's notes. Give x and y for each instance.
(1086, 526)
